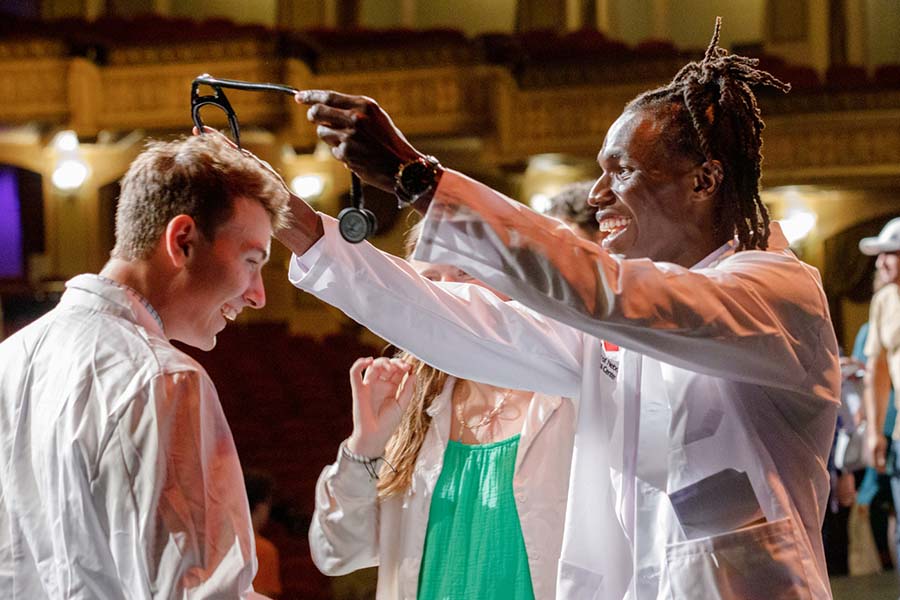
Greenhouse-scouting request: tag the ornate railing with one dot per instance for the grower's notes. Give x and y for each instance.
(522, 95)
(33, 77)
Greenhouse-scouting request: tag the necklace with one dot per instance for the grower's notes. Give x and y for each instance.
(485, 419)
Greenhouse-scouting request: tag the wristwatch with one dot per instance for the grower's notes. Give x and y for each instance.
(415, 178)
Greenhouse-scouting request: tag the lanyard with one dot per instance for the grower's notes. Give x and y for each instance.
(134, 294)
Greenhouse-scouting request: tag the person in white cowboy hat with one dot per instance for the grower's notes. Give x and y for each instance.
(883, 345)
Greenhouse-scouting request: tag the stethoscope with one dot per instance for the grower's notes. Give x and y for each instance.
(355, 222)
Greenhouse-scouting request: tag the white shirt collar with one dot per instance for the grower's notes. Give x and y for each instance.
(131, 304)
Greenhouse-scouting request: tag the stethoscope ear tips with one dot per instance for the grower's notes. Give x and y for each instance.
(356, 224)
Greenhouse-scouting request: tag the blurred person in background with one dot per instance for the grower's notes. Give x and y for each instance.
(882, 350)
(260, 493)
(571, 206)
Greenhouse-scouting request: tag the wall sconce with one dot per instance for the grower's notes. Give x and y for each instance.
(540, 202)
(69, 175)
(70, 171)
(65, 141)
(797, 224)
(308, 186)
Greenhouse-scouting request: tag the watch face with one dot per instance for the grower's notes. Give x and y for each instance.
(416, 178)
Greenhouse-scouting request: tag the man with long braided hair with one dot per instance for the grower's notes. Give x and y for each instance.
(709, 113)
(700, 458)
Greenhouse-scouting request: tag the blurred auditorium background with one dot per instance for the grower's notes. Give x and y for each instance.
(516, 93)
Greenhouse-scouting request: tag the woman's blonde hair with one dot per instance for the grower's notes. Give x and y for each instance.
(403, 448)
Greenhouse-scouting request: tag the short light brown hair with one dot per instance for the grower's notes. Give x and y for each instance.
(199, 176)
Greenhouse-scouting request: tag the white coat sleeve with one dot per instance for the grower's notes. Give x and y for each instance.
(174, 492)
(343, 534)
(760, 317)
(461, 329)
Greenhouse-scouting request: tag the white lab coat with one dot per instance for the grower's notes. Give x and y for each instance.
(351, 529)
(118, 473)
(700, 465)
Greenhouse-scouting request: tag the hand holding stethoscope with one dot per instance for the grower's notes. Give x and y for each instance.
(355, 222)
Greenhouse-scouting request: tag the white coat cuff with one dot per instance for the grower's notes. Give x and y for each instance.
(302, 264)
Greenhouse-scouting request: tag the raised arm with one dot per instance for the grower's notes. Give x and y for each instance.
(757, 316)
(464, 331)
(877, 384)
(458, 328)
(343, 535)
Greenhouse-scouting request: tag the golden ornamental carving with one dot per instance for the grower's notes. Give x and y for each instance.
(517, 111)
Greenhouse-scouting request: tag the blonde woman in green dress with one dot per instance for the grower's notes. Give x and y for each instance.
(454, 489)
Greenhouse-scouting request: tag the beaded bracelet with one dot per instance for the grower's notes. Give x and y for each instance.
(367, 462)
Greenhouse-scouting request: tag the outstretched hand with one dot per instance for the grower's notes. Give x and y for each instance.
(382, 390)
(360, 134)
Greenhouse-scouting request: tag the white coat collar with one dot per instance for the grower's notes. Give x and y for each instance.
(777, 243)
(99, 292)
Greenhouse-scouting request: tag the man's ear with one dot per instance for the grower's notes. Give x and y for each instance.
(707, 179)
(180, 239)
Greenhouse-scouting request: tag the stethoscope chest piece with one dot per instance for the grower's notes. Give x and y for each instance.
(356, 222)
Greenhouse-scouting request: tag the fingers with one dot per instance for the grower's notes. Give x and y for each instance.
(878, 453)
(880, 460)
(338, 118)
(386, 370)
(330, 98)
(356, 371)
(330, 136)
(399, 370)
(344, 148)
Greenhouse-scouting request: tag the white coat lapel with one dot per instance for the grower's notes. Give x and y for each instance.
(540, 410)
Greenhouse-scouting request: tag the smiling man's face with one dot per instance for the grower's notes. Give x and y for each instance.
(643, 196)
(226, 274)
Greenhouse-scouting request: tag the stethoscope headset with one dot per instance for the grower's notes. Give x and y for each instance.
(355, 222)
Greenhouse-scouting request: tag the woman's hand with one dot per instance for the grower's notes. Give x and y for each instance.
(382, 390)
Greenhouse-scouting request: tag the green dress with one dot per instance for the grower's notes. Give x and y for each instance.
(474, 546)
